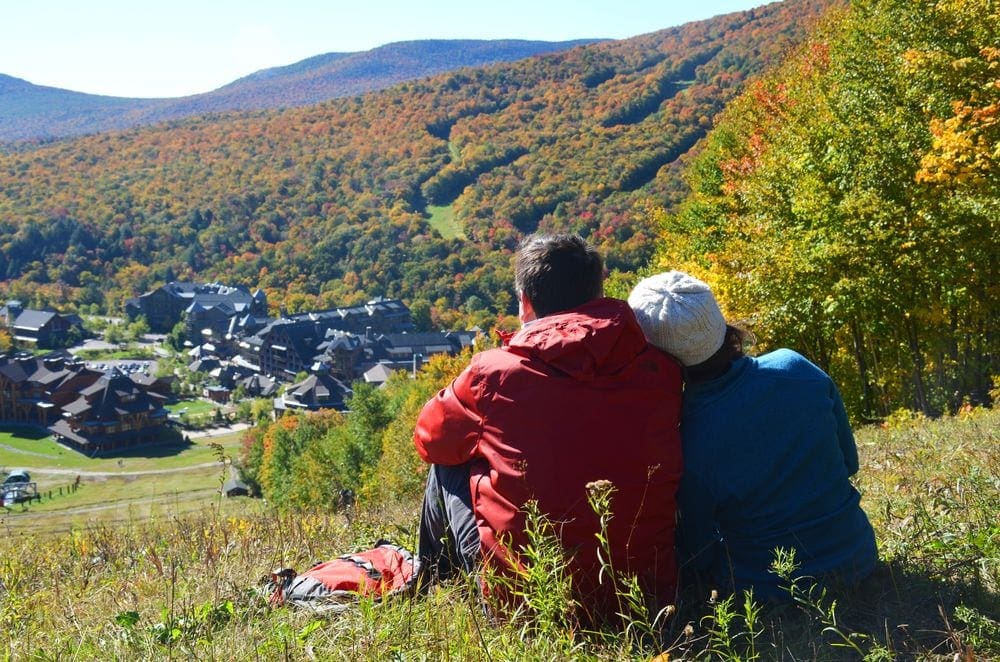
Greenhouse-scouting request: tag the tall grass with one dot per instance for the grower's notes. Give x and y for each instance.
(183, 586)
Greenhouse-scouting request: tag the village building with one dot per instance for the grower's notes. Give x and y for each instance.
(322, 351)
(378, 374)
(407, 351)
(45, 329)
(235, 487)
(33, 390)
(112, 414)
(314, 392)
(258, 386)
(287, 346)
(218, 394)
(89, 410)
(204, 307)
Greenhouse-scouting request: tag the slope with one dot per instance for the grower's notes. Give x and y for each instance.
(326, 204)
(38, 112)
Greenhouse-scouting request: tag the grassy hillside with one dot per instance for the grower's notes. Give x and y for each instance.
(179, 585)
(148, 483)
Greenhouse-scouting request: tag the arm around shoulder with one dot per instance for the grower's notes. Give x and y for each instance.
(449, 426)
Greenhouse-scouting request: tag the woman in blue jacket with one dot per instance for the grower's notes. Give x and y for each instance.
(768, 450)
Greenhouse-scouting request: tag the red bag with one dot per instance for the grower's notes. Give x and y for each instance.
(384, 570)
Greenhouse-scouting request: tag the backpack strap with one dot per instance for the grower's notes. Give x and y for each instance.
(279, 582)
(366, 565)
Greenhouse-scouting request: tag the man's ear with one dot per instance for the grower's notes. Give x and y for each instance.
(525, 311)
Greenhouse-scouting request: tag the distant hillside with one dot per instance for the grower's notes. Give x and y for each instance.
(33, 111)
(331, 203)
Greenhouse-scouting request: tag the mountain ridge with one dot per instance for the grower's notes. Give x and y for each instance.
(40, 112)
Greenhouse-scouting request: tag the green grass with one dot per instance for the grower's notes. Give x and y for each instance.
(174, 580)
(166, 480)
(443, 220)
(192, 407)
(19, 451)
(131, 352)
(114, 499)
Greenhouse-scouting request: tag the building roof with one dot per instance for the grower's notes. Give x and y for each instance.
(234, 484)
(378, 373)
(110, 397)
(317, 391)
(33, 319)
(259, 385)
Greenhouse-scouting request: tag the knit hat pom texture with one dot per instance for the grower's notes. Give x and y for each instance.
(679, 314)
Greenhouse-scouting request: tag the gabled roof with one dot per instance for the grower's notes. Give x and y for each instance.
(259, 385)
(33, 319)
(110, 397)
(318, 391)
(378, 374)
(15, 371)
(335, 339)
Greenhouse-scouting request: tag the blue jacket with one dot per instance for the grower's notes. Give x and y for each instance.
(767, 455)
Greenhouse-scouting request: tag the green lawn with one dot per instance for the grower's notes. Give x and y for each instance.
(112, 489)
(130, 352)
(24, 448)
(443, 220)
(192, 407)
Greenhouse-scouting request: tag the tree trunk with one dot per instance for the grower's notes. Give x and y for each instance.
(919, 390)
(859, 357)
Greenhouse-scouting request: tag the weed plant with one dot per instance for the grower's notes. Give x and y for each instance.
(184, 587)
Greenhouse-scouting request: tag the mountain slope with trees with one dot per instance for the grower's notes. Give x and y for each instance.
(848, 204)
(329, 204)
(32, 112)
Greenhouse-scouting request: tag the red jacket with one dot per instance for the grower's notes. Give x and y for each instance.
(574, 397)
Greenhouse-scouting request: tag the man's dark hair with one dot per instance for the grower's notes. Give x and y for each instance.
(558, 272)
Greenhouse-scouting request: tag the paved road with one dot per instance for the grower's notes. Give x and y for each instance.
(217, 432)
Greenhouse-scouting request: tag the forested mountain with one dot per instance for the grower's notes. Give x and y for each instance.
(38, 112)
(332, 203)
(848, 205)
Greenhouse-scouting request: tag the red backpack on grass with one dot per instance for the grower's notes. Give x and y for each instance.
(376, 573)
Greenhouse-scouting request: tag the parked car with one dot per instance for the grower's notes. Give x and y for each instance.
(17, 476)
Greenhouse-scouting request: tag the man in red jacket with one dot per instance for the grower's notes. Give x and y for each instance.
(576, 396)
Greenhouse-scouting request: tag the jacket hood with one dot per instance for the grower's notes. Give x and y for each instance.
(594, 340)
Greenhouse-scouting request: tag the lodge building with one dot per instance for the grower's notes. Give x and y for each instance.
(89, 410)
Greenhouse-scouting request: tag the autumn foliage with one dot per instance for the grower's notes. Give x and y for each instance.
(847, 204)
(327, 205)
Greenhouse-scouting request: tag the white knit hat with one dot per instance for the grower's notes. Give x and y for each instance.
(678, 314)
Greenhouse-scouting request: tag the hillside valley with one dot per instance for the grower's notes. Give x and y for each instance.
(329, 204)
(828, 168)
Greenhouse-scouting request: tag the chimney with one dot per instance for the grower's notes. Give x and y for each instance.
(14, 309)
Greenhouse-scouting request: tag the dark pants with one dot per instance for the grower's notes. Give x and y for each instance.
(449, 540)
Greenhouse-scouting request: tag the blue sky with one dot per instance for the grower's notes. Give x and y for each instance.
(138, 48)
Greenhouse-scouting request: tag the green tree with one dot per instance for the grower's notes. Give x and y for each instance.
(811, 220)
(420, 311)
(136, 329)
(177, 335)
